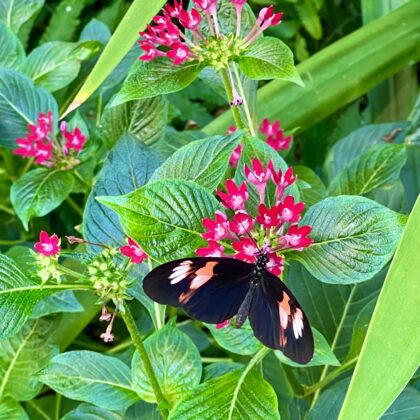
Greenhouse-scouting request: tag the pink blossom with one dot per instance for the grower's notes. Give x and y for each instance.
(105, 315)
(241, 223)
(43, 128)
(26, 147)
(267, 17)
(246, 249)
(133, 251)
(282, 181)
(296, 237)
(235, 198)
(190, 19)
(275, 264)
(216, 229)
(179, 53)
(274, 135)
(268, 218)
(43, 152)
(290, 212)
(74, 140)
(238, 3)
(236, 155)
(270, 129)
(206, 5)
(231, 129)
(151, 52)
(107, 337)
(175, 10)
(212, 250)
(258, 175)
(48, 245)
(223, 324)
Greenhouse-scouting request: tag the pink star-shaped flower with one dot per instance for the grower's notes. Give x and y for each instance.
(235, 198)
(48, 245)
(133, 251)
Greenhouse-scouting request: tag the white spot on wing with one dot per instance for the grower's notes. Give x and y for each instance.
(298, 323)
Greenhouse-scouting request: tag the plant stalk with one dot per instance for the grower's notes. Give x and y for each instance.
(139, 345)
(229, 94)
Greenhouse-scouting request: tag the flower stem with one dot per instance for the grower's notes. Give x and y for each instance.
(229, 94)
(245, 103)
(139, 345)
(70, 272)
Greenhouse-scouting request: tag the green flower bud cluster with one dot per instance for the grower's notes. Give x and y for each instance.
(218, 52)
(47, 268)
(107, 277)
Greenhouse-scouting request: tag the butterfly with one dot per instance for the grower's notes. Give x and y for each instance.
(215, 289)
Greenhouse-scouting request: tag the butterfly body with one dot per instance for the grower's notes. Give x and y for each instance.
(215, 289)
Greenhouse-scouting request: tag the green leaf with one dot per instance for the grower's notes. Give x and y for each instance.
(316, 191)
(390, 347)
(366, 57)
(214, 370)
(354, 238)
(22, 356)
(40, 191)
(360, 141)
(175, 360)
(158, 77)
(203, 161)
(309, 18)
(236, 340)
(55, 64)
(333, 309)
(20, 104)
(18, 297)
(165, 217)
(14, 13)
(375, 168)
(90, 377)
(144, 119)
(269, 58)
(61, 302)
(10, 409)
(128, 166)
(137, 17)
(86, 411)
(12, 53)
(142, 410)
(252, 399)
(406, 406)
(323, 355)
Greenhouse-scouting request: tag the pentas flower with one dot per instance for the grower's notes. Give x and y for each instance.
(273, 227)
(48, 245)
(275, 135)
(133, 251)
(41, 144)
(218, 50)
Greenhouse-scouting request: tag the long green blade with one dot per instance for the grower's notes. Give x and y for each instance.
(391, 351)
(341, 72)
(137, 17)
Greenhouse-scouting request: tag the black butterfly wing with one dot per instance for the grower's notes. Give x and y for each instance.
(210, 289)
(278, 320)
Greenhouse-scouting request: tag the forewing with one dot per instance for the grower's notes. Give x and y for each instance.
(278, 320)
(209, 289)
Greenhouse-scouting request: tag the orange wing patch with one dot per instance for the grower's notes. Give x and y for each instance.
(202, 276)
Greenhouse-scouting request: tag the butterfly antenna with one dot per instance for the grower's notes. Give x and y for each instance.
(243, 226)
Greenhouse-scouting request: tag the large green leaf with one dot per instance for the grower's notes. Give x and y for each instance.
(165, 216)
(405, 407)
(351, 147)
(158, 77)
(340, 73)
(137, 17)
(39, 192)
(12, 53)
(145, 119)
(91, 377)
(354, 238)
(203, 161)
(313, 189)
(128, 166)
(16, 12)
(373, 169)
(391, 349)
(333, 309)
(175, 360)
(20, 104)
(19, 294)
(252, 398)
(10, 409)
(86, 411)
(24, 355)
(269, 58)
(55, 64)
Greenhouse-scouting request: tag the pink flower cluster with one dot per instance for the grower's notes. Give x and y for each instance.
(166, 39)
(274, 136)
(275, 228)
(40, 143)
